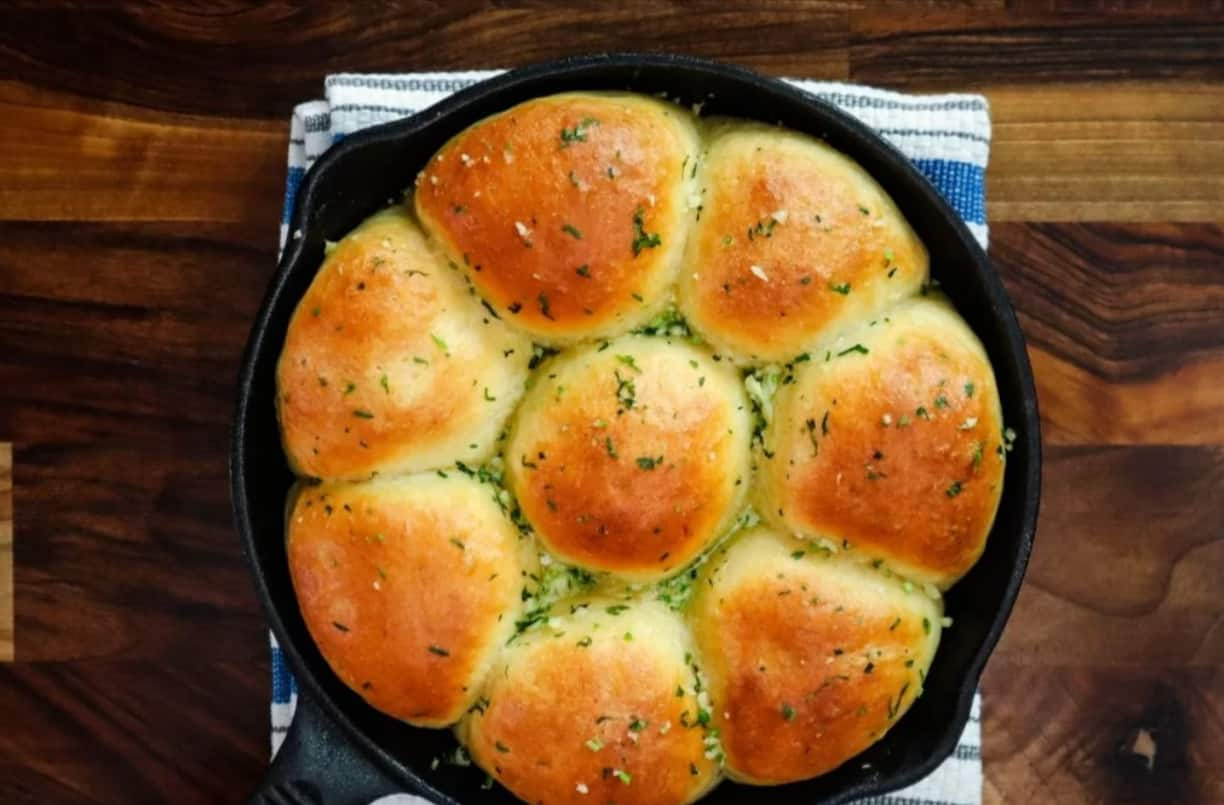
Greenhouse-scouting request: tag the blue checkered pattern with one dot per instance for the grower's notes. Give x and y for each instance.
(947, 137)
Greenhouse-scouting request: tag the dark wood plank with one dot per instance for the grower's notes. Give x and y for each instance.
(1164, 8)
(1125, 326)
(6, 552)
(1125, 571)
(1075, 734)
(133, 732)
(971, 49)
(122, 347)
(257, 61)
(1119, 629)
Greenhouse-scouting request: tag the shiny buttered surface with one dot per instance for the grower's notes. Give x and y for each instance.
(631, 456)
(889, 445)
(409, 586)
(810, 660)
(567, 213)
(794, 242)
(601, 704)
(389, 365)
(637, 449)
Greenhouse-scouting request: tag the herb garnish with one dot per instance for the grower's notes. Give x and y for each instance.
(578, 134)
(641, 238)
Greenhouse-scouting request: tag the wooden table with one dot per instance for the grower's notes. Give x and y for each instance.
(142, 157)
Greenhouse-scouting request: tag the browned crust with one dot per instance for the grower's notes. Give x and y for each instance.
(614, 687)
(633, 457)
(898, 451)
(794, 242)
(388, 365)
(551, 207)
(810, 659)
(408, 587)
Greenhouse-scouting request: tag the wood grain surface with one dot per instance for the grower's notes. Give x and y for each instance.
(6, 552)
(142, 153)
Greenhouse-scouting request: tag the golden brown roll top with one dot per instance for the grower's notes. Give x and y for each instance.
(600, 705)
(890, 444)
(389, 365)
(566, 212)
(408, 587)
(794, 242)
(810, 659)
(631, 456)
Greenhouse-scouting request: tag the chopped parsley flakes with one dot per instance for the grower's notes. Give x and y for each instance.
(626, 391)
(545, 310)
(578, 134)
(641, 238)
(629, 361)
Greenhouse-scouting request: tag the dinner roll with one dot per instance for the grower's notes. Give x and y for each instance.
(389, 366)
(408, 586)
(631, 456)
(810, 659)
(568, 213)
(794, 242)
(889, 443)
(600, 705)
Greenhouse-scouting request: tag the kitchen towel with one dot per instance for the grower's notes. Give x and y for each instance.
(946, 136)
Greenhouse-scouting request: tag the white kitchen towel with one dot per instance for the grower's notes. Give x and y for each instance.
(946, 136)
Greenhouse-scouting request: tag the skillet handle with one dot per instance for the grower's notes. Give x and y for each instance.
(317, 765)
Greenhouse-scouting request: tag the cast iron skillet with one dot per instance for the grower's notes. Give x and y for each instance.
(340, 751)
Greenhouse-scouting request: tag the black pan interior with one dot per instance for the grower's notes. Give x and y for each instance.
(367, 169)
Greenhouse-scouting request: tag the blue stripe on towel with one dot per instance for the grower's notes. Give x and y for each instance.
(961, 183)
(283, 685)
(292, 181)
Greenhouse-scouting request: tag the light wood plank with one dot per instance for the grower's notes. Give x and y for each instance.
(1107, 152)
(69, 159)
